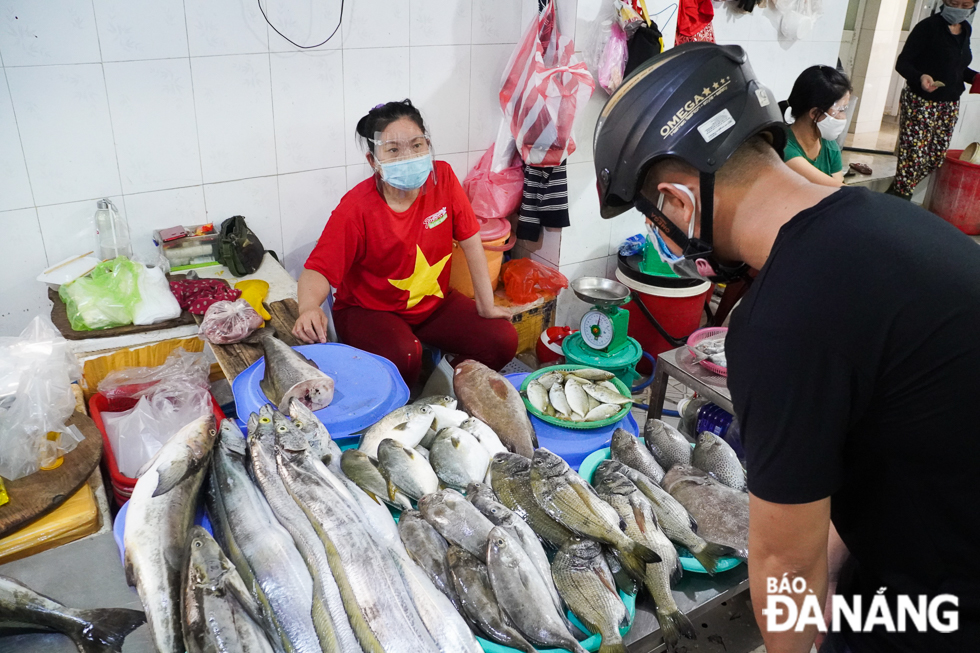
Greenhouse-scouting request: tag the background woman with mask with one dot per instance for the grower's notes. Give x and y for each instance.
(387, 249)
(935, 63)
(816, 114)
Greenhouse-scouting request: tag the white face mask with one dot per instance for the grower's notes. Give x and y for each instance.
(830, 128)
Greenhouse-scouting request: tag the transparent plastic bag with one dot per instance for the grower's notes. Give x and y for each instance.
(183, 375)
(105, 298)
(605, 49)
(494, 194)
(156, 303)
(526, 280)
(228, 322)
(36, 371)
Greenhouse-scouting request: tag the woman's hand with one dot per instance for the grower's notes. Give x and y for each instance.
(311, 325)
(928, 83)
(493, 312)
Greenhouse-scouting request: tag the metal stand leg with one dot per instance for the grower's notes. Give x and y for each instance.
(658, 392)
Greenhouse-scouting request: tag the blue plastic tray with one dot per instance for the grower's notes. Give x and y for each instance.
(367, 387)
(573, 445)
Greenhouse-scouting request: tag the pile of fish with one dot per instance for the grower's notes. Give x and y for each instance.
(712, 350)
(582, 395)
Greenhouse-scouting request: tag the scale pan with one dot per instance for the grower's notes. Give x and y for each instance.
(600, 291)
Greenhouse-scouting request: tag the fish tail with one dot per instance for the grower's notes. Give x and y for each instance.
(709, 555)
(673, 625)
(645, 553)
(105, 629)
(612, 645)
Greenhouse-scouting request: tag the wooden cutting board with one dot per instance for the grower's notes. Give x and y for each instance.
(45, 490)
(234, 358)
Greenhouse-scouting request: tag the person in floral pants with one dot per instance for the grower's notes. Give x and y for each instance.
(925, 128)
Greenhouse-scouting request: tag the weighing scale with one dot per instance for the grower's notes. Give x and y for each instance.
(602, 340)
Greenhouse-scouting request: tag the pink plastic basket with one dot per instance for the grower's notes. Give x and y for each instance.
(704, 334)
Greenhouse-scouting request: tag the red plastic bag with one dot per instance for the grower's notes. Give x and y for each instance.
(494, 194)
(525, 280)
(545, 86)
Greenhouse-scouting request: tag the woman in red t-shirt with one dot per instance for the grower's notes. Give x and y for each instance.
(387, 249)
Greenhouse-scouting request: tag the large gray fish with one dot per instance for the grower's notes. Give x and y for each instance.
(674, 520)
(522, 595)
(479, 605)
(428, 549)
(510, 476)
(332, 626)
(161, 510)
(566, 496)
(381, 609)
(722, 513)
(491, 398)
(316, 433)
(458, 458)
(715, 456)
(220, 615)
(261, 549)
(405, 470)
(289, 374)
(407, 425)
(457, 520)
(668, 445)
(587, 585)
(641, 525)
(500, 515)
(630, 451)
(358, 467)
(93, 631)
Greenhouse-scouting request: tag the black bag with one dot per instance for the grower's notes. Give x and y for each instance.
(241, 251)
(646, 42)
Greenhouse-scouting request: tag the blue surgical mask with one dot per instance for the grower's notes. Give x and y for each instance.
(956, 15)
(407, 174)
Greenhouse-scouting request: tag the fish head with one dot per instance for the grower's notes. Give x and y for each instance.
(706, 439)
(548, 465)
(390, 450)
(421, 416)
(433, 507)
(230, 439)
(502, 546)
(509, 463)
(201, 436)
(303, 418)
(615, 483)
(452, 499)
(205, 559)
(438, 400)
(583, 549)
(288, 439)
(622, 439)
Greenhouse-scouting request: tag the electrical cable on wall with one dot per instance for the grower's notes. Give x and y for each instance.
(304, 47)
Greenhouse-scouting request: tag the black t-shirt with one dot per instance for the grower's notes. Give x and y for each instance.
(854, 368)
(931, 49)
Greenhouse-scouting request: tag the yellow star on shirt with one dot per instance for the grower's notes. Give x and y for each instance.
(424, 280)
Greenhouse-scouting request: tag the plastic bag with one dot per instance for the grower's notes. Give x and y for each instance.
(36, 371)
(605, 51)
(228, 322)
(798, 17)
(156, 302)
(494, 194)
(545, 87)
(526, 280)
(182, 375)
(105, 298)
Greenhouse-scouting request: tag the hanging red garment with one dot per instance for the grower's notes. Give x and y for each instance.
(693, 16)
(706, 35)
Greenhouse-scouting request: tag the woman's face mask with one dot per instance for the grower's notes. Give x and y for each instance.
(830, 128)
(407, 174)
(956, 15)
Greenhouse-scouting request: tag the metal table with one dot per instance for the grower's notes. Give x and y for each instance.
(697, 595)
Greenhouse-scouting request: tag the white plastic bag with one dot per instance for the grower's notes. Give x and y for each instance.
(156, 303)
(797, 17)
(228, 322)
(36, 371)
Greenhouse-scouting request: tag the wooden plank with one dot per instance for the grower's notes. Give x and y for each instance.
(45, 490)
(234, 358)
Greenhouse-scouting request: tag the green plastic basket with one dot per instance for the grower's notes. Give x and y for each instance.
(622, 387)
(688, 561)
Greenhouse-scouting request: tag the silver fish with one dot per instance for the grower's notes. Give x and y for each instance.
(161, 510)
(510, 477)
(309, 425)
(407, 425)
(446, 417)
(550, 378)
(363, 471)
(405, 470)
(592, 374)
(289, 374)
(332, 626)
(606, 396)
(381, 609)
(630, 451)
(558, 399)
(220, 614)
(458, 458)
(93, 631)
(522, 594)
(578, 400)
(261, 549)
(668, 445)
(488, 439)
(715, 456)
(457, 520)
(437, 400)
(722, 513)
(538, 396)
(428, 549)
(604, 411)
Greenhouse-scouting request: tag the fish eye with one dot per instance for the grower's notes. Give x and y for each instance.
(264, 420)
(198, 544)
(212, 432)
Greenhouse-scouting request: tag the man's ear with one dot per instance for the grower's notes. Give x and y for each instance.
(678, 205)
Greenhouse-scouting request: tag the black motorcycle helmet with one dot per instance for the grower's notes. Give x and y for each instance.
(697, 102)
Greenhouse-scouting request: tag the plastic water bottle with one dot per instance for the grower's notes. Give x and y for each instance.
(112, 232)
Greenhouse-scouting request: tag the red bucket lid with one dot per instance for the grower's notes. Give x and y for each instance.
(494, 229)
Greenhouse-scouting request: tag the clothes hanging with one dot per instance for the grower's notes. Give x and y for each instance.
(693, 16)
(544, 202)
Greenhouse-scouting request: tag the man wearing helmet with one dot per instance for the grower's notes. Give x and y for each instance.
(851, 360)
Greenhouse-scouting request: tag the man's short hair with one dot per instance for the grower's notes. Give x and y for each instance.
(740, 169)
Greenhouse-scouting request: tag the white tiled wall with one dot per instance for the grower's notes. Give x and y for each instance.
(190, 112)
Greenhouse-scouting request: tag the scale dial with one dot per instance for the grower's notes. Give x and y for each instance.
(597, 329)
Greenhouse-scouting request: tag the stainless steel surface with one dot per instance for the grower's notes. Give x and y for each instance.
(600, 291)
(679, 364)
